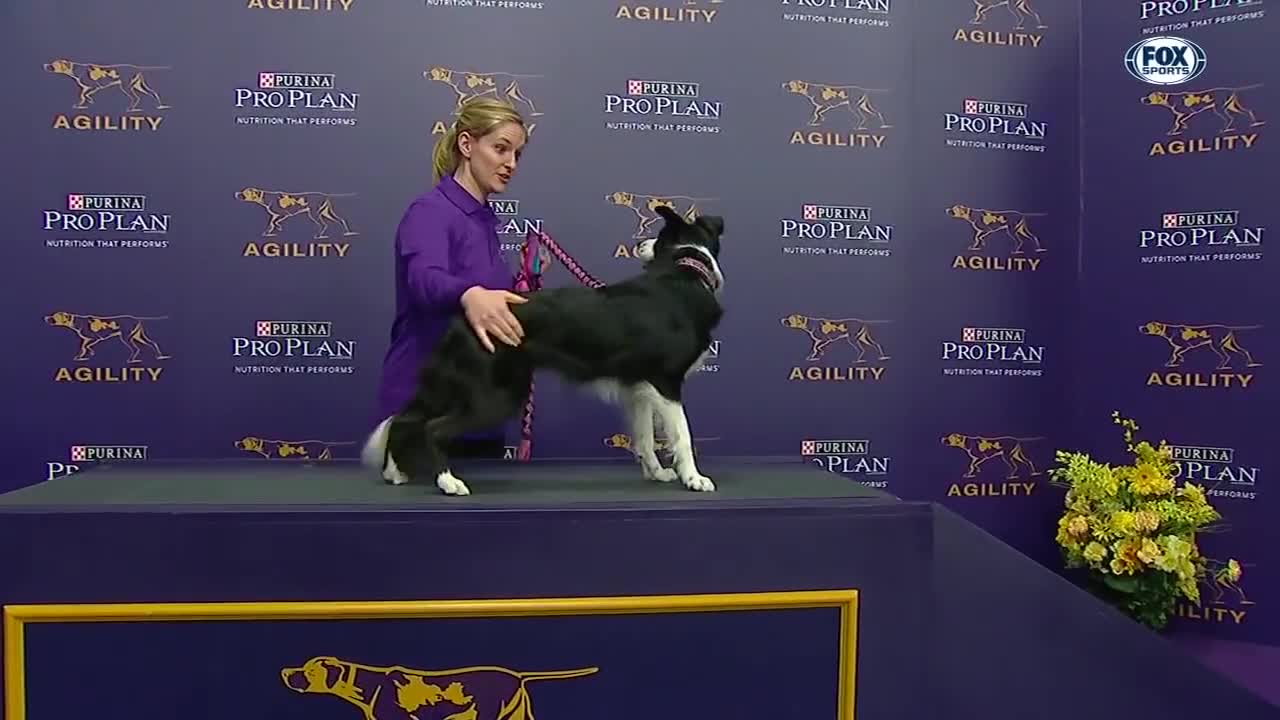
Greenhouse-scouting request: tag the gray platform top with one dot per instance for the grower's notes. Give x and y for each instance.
(241, 484)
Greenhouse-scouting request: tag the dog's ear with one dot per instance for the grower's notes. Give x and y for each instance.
(670, 214)
(713, 223)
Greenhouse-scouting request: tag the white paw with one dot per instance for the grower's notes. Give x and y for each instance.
(660, 474)
(391, 473)
(451, 485)
(698, 483)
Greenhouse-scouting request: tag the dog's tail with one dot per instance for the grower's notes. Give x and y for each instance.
(557, 674)
(374, 454)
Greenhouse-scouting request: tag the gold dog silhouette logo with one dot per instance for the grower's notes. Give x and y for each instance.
(990, 17)
(687, 12)
(304, 450)
(622, 441)
(1222, 596)
(646, 207)
(91, 330)
(979, 449)
(397, 692)
(1222, 341)
(1222, 579)
(467, 84)
(1013, 224)
(822, 333)
(280, 206)
(132, 82)
(855, 107)
(1237, 126)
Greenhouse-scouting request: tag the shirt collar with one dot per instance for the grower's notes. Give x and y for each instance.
(465, 201)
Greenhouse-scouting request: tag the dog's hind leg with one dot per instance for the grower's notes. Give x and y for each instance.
(670, 411)
(484, 409)
(435, 433)
(639, 409)
(403, 448)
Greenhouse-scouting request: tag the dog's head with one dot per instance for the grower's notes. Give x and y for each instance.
(693, 244)
(1154, 328)
(317, 675)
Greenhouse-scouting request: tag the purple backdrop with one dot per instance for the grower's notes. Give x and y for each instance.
(858, 150)
(1173, 262)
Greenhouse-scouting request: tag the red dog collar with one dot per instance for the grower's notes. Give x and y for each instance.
(701, 268)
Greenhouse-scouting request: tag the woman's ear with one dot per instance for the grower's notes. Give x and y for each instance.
(464, 144)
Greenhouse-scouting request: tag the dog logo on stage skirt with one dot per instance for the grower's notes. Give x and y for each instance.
(400, 693)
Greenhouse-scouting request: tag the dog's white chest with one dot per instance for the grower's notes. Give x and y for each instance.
(609, 391)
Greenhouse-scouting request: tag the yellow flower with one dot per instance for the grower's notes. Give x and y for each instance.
(1123, 523)
(1148, 480)
(1118, 566)
(1146, 520)
(1126, 556)
(1095, 551)
(1148, 551)
(1065, 540)
(1078, 526)
(1194, 493)
(1190, 589)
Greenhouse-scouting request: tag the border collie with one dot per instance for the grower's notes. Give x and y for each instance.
(633, 342)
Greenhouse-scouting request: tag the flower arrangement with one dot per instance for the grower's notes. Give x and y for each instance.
(1133, 528)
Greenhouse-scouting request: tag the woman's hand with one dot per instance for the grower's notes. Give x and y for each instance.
(488, 314)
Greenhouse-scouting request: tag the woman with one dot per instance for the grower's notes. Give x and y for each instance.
(448, 258)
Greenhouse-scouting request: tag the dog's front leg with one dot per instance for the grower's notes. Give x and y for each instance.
(676, 425)
(639, 410)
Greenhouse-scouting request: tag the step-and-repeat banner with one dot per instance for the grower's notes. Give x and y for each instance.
(202, 217)
(1178, 312)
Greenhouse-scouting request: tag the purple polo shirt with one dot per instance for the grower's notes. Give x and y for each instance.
(447, 242)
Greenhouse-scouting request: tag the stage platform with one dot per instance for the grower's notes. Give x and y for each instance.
(241, 484)
(560, 590)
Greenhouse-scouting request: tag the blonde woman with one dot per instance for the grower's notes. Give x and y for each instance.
(448, 258)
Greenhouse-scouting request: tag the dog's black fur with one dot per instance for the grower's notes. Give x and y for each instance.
(650, 330)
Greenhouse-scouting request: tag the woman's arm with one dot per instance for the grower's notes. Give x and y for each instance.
(425, 243)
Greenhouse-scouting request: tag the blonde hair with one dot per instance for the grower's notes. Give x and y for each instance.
(477, 117)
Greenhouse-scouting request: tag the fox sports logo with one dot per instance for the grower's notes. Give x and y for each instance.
(1164, 60)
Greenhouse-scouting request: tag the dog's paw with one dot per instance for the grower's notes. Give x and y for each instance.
(660, 474)
(698, 483)
(451, 485)
(392, 474)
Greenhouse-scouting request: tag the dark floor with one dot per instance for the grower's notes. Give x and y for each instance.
(491, 483)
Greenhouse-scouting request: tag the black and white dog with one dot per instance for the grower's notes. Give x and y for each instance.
(633, 342)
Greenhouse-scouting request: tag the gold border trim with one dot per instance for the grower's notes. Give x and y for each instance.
(16, 617)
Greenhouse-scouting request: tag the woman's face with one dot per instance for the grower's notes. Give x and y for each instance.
(493, 158)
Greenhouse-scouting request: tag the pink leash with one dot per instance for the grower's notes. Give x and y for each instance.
(533, 257)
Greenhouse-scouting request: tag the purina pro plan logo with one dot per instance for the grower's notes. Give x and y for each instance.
(1165, 60)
